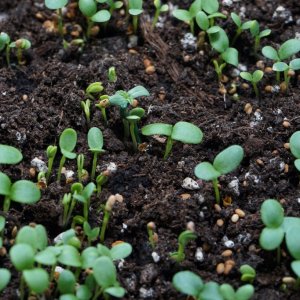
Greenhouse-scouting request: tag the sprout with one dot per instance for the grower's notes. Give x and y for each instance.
(4, 44)
(184, 238)
(20, 45)
(92, 234)
(113, 5)
(95, 141)
(67, 143)
(57, 5)
(248, 273)
(22, 191)
(94, 88)
(112, 75)
(254, 79)
(37, 280)
(51, 153)
(240, 26)
(159, 8)
(285, 51)
(295, 148)
(9, 155)
(89, 10)
(86, 109)
(2, 226)
(152, 234)
(69, 256)
(225, 162)
(135, 9)
(103, 103)
(107, 211)
(80, 165)
(66, 282)
(184, 132)
(5, 278)
(244, 292)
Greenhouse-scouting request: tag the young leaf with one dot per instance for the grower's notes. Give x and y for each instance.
(227, 291)
(231, 56)
(187, 133)
(293, 242)
(25, 192)
(211, 291)
(280, 66)
(69, 256)
(95, 139)
(138, 91)
(5, 184)
(88, 256)
(116, 291)
(202, 20)
(272, 213)
(218, 40)
(270, 52)
(101, 16)
(295, 144)
(37, 280)
(247, 76)
(22, 256)
(257, 75)
(206, 171)
(182, 15)
(295, 64)
(289, 48)
(46, 257)
(188, 283)
(120, 251)
(271, 238)
(67, 142)
(83, 292)
(296, 267)
(9, 155)
(87, 7)
(5, 278)
(105, 272)
(244, 292)
(157, 129)
(210, 6)
(265, 33)
(66, 282)
(55, 4)
(236, 19)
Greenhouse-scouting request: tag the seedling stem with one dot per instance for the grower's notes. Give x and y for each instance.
(60, 24)
(135, 23)
(168, 147)
(61, 164)
(216, 189)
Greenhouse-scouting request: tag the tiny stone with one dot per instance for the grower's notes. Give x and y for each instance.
(286, 146)
(260, 64)
(185, 196)
(260, 162)
(226, 253)
(248, 108)
(39, 164)
(144, 293)
(217, 208)
(286, 168)
(288, 280)
(240, 213)
(150, 70)
(286, 124)
(220, 222)
(24, 97)
(32, 172)
(112, 167)
(133, 41)
(201, 199)
(199, 254)
(220, 268)
(190, 184)
(229, 244)
(235, 218)
(3, 251)
(229, 264)
(234, 185)
(147, 63)
(155, 256)
(14, 232)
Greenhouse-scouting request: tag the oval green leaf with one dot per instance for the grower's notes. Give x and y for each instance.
(22, 256)
(182, 15)
(289, 48)
(88, 7)
(120, 251)
(270, 52)
(271, 238)
(55, 4)
(280, 66)
(68, 140)
(296, 267)
(5, 184)
(295, 144)
(9, 155)
(37, 280)
(157, 129)
(206, 171)
(293, 242)
(24, 191)
(272, 213)
(69, 256)
(66, 282)
(105, 272)
(202, 20)
(95, 139)
(188, 283)
(231, 56)
(5, 278)
(187, 133)
(219, 40)
(101, 16)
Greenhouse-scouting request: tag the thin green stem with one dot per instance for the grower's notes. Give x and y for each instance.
(7, 54)
(133, 137)
(155, 19)
(65, 214)
(22, 287)
(278, 77)
(286, 78)
(256, 44)
(89, 27)
(151, 239)
(180, 253)
(19, 55)
(60, 23)
(50, 165)
(135, 21)
(86, 210)
(61, 164)
(126, 128)
(192, 26)
(94, 166)
(98, 292)
(103, 112)
(6, 204)
(216, 189)
(237, 34)
(168, 147)
(104, 225)
(71, 208)
(255, 89)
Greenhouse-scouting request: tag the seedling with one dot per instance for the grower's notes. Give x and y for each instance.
(257, 34)
(86, 109)
(94, 88)
(22, 191)
(4, 44)
(20, 45)
(159, 8)
(244, 292)
(112, 75)
(254, 79)
(113, 5)
(184, 132)
(58, 5)
(295, 148)
(104, 176)
(248, 273)
(80, 164)
(133, 117)
(152, 234)
(66, 283)
(103, 104)
(92, 234)
(240, 26)
(95, 141)
(191, 284)
(285, 51)
(9, 155)
(2, 226)
(272, 235)
(184, 238)
(189, 15)
(66, 201)
(67, 143)
(107, 211)
(89, 10)
(5, 278)
(51, 153)
(224, 163)
(280, 66)
(135, 9)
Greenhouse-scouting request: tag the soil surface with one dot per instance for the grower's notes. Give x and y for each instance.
(42, 98)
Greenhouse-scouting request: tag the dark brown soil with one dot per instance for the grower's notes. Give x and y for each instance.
(54, 81)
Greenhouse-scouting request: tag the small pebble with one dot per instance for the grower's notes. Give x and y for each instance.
(3, 251)
(150, 70)
(190, 184)
(185, 196)
(39, 164)
(147, 63)
(286, 124)
(286, 146)
(32, 172)
(229, 264)
(229, 244)
(226, 253)
(248, 108)
(260, 162)
(220, 222)
(14, 232)
(155, 256)
(220, 268)
(288, 280)
(217, 207)
(199, 254)
(235, 218)
(240, 213)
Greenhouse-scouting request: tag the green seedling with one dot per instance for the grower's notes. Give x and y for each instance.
(86, 109)
(89, 10)
(4, 45)
(159, 8)
(104, 176)
(80, 165)
(295, 148)
(184, 132)
(112, 75)
(280, 66)
(102, 105)
(184, 238)
(227, 55)
(113, 5)
(189, 15)
(95, 142)
(135, 8)
(66, 283)
(2, 226)
(105, 274)
(152, 235)
(107, 211)
(240, 26)
(22, 191)
(51, 153)
(69, 256)
(85, 197)
(248, 273)
(257, 34)
(272, 235)
(68, 238)
(5, 278)
(191, 284)
(67, 143)
(254, 79)
(57, 5)
(244, 292)
(66, 202)
(92, 234)
(20, 45)
(133, 118)
(94, 88)
(224, 163)
(285, 51)
(9, 155)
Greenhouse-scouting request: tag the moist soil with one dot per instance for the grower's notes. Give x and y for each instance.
(42, 98)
